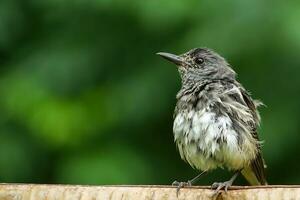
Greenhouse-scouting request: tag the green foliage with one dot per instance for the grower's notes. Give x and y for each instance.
(84, 99)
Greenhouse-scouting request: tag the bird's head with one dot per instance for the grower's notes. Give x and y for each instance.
(200, 64)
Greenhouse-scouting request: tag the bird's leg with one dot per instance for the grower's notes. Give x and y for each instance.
(188, 183)
(224, 185)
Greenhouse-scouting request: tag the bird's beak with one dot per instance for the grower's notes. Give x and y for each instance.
(172, 58)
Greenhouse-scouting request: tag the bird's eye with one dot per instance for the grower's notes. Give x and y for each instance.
(199, 60)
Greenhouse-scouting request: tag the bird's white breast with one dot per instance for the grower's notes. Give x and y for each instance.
(207, 141)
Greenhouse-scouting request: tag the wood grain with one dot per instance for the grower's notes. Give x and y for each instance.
(141, 192)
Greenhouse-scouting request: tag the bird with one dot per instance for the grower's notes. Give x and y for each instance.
(215, 119)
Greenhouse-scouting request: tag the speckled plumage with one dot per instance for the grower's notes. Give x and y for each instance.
(213, 127)
(215, 119)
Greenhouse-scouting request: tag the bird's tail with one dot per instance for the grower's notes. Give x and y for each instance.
(255, 172)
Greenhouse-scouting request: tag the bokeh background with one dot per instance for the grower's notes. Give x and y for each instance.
(85, 100)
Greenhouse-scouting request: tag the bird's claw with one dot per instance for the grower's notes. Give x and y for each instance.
(222, 185)
(181, 185)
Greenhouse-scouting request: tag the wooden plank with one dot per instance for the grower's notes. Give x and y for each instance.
(140, 192)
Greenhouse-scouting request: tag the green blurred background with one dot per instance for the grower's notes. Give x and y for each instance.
(85, 100)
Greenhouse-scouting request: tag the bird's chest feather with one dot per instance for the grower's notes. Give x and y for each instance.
(207, 140)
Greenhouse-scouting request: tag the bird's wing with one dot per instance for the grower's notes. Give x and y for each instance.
(255, 173)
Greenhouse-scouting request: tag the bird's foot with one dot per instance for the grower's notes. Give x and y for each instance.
(222, 185)
(225, 185)
(181, 185)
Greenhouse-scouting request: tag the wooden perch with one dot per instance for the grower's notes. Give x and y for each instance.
(70, 192)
